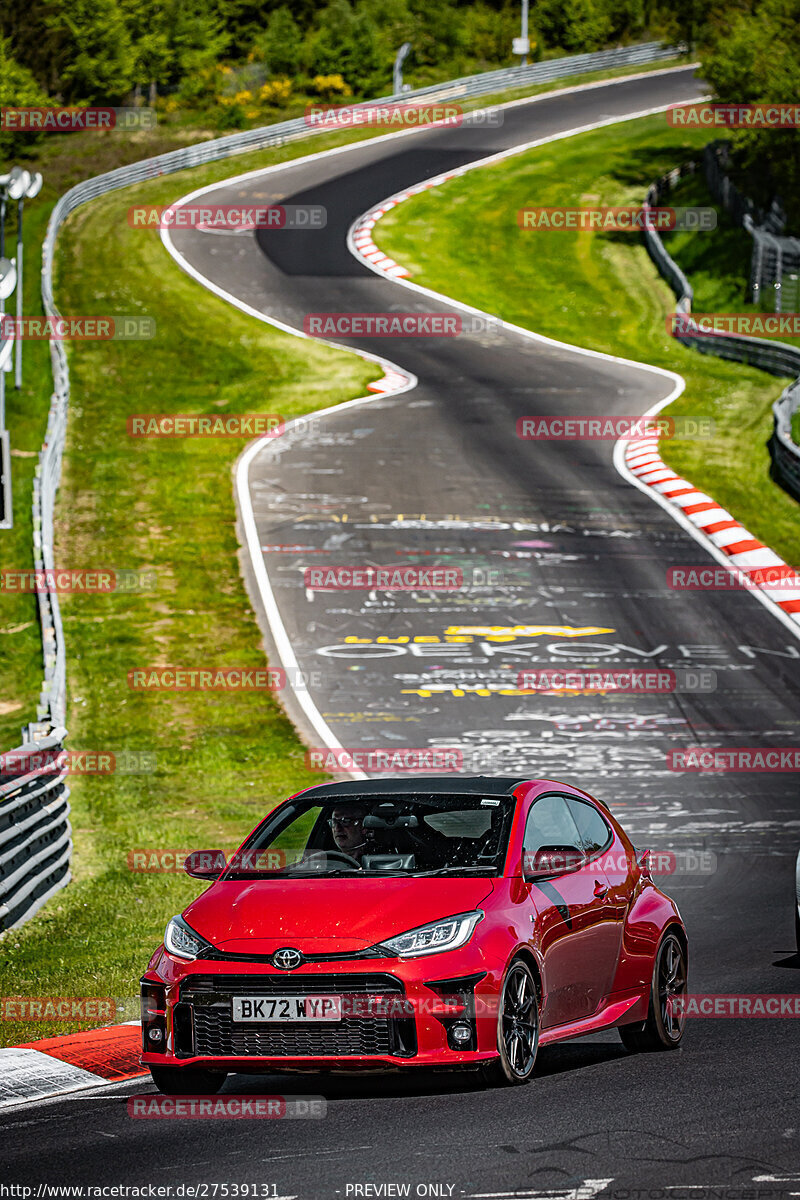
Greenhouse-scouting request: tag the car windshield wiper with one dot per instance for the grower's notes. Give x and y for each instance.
(454, 870)
(290, 873)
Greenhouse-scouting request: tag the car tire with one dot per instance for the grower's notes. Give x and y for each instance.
(517, 1029)
(187, 1081)
(662, 1030)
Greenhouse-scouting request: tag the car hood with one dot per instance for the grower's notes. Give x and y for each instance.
(325, 914)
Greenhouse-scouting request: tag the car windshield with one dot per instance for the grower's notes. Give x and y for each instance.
(362, 835)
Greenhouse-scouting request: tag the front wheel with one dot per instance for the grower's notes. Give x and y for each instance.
(188, 1081)
(517, 1029)
(663, 1028)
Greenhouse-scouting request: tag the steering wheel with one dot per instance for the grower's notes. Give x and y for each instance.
(346, 857)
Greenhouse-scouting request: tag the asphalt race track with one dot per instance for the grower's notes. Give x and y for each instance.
(565, 563)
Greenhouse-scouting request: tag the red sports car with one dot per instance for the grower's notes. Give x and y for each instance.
(443, 921)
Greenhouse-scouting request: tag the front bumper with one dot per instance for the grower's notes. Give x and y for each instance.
(396, 1013)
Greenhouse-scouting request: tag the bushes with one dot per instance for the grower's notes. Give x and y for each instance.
(113, 51)
(276, 92)
(754, 57)
(17, 88)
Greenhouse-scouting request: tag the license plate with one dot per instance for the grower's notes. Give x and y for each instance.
(287, 1008)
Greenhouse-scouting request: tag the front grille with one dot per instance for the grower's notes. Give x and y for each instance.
(215, 955)
(204, 1026)
(288, 984)
(216, 1036)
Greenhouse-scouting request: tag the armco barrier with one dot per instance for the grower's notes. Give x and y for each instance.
(35, 833)
(6, 347)
(776, 357)
(785, 452)
(25, 889)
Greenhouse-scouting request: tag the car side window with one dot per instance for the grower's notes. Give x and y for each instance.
(549, 824)
(595, 835)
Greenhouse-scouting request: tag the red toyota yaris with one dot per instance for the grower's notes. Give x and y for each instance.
(443, 921)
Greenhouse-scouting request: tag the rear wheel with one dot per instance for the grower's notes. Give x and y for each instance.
(517, 1029)
(187, 1081)
(663, 1028)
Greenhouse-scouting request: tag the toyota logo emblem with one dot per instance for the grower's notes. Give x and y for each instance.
(287, 959)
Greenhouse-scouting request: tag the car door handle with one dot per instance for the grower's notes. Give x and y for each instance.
(600, 889)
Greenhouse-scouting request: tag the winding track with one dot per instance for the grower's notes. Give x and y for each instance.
(438, 472)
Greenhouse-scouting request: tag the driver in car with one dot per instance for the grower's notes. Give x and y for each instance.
(347, 829)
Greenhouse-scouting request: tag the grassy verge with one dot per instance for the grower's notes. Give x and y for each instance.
(601, 291)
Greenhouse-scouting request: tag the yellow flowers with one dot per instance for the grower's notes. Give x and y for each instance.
(330, 86)
(276, 91)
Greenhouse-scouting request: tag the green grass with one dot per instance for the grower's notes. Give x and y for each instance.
(601, 291)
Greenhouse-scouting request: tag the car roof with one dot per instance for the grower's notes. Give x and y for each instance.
(426, 785)
(423, 785)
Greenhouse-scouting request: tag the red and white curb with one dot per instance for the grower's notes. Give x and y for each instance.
(362, 240)
(361, 233)
(743, 552)
(392, 381)
(57, 1066)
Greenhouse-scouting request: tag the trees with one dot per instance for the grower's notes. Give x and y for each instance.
(345, 41)
(106, 51)
(281, 44)
(580, 26)
(19, 89)
(753, 56)
(172, 40)
(95, 56)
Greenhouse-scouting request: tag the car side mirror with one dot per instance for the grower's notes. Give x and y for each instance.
(548, 862)
(205, 864)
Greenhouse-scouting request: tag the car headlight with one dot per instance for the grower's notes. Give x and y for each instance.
(182, 941)
(435, 937)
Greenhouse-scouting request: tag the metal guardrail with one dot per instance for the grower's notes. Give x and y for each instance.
(785, 452)
(34, 831)
(542, 72)
(777, 358)
(6, 348)
(666, 265)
